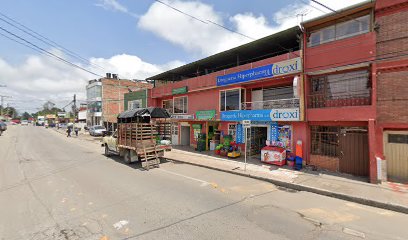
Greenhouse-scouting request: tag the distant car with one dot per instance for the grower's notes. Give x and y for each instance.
(3, 127)
(24, 123)
(97, 130)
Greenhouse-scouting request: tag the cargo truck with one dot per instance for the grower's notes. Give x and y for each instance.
(137, 138)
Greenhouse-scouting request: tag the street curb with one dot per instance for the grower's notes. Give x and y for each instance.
(300, 187)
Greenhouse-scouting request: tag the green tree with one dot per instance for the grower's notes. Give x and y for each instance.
(26, 116)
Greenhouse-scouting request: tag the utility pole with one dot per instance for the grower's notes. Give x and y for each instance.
(2, 97)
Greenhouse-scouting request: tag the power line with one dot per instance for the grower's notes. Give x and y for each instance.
(51, 54)
(45, 40)
(228, 29)
(203, 21)
(331, 9)
(175, 9)
(216, 24)
(307, 4)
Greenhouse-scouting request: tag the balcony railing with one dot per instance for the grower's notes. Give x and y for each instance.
(271, 104)
(353, 99)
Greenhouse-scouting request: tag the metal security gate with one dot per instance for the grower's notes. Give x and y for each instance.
(354, 155)
(396, 155)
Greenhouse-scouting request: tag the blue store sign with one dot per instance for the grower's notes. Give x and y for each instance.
(239, 134)
(274, 132)
(287, 114)
(271, 70)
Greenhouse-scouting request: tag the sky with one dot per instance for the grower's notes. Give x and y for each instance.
(133, 38)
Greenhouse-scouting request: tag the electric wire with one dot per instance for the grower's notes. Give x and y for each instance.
(45, 40)
(50, 53)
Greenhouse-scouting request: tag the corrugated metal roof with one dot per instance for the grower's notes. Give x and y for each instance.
(273, 45)
(145, 112)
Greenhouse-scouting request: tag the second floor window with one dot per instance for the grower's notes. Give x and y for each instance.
(168, 105)
(180, 105)
(340, 30)
(343, 89)
(231, 99)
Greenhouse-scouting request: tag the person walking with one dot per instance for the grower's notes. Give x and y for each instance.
(76, 131)
(69, 132)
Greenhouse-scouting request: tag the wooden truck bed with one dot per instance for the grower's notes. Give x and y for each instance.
(140, 137)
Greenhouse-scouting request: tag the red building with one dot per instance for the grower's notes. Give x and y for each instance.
(392, 88)
(340, 89)
(337, 86)
(254, 81)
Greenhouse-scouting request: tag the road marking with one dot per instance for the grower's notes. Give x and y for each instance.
(353, 232)
(203, 183)
(90, 203)
(120, 224)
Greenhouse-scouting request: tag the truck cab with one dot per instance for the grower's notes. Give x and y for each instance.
(110, 143)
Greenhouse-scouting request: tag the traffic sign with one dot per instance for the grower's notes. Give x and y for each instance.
(246, 123)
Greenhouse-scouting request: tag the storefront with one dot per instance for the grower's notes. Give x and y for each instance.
(267, 127)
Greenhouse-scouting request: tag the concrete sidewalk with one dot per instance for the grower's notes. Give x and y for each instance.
(81, 135)
(382, 196)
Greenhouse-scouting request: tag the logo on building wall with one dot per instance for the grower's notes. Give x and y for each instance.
(276, 69)
(287, 114)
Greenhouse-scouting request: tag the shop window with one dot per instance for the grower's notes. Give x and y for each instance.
(340, 30)
(231, 99)
(168, 105)
(344, 89)
(180, 105)
(232, 130)
(325, 141)
(135, 104)
(398, 138)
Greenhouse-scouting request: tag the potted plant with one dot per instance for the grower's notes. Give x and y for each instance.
(218, 149)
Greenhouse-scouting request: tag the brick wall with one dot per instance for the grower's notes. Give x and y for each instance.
(113, 91)
(392, 98)
(392, 47)
(392, 36)
(325, 162)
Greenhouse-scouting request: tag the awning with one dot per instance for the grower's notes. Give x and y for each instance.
(151, 112)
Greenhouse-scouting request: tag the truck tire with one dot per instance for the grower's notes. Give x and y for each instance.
(107, 152)
(126, 157)
(1, 132)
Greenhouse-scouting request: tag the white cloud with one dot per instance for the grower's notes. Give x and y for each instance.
(112, 5)
(40, 78)
(206, 39)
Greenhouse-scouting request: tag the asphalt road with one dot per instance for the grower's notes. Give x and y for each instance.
(53, 187)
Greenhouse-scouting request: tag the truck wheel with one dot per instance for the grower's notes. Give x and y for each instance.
(126, 157)
(1, 132)
(107, 152)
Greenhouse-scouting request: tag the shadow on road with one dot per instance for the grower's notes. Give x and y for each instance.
(136, 165)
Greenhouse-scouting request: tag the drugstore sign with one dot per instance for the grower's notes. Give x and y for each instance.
(272, 70)
(285, 114)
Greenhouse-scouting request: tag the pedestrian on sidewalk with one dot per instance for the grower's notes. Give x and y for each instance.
(69, 132)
